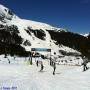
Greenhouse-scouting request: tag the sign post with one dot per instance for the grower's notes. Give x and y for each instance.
(42, 50)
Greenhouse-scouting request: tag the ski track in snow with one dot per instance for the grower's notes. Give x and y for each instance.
(28, 77)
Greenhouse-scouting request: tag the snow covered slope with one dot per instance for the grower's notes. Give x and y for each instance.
(8, 18)
(27, 77)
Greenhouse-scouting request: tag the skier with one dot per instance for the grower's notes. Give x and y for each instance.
(37, 63)
(8, 61)
(84, 64)
(42, 66)
(54, 67)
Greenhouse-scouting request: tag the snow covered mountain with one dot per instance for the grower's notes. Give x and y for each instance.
(7, 17)
(85, 35)
(17, 33)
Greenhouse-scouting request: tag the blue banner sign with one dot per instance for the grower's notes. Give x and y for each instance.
(41, 49)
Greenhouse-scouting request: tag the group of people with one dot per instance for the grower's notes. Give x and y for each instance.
(42, 66)
(53, 64)
(41, 63)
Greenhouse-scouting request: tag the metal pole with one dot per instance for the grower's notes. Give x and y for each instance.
(50, 54)
(31, 59)
(50, 59)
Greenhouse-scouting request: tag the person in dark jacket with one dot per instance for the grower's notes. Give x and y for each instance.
(42, 66)
(8, 61)
(37, 63)
(84, 64)
(54, 67)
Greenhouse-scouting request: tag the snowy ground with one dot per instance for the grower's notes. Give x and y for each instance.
(21, 76)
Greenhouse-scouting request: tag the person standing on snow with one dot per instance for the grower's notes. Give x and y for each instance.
(54, 67)
(42, 66)
(84, 64)
(37, 63)
(54, 63)
(8, 61)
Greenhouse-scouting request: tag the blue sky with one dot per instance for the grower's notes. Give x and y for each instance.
(73, 15)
